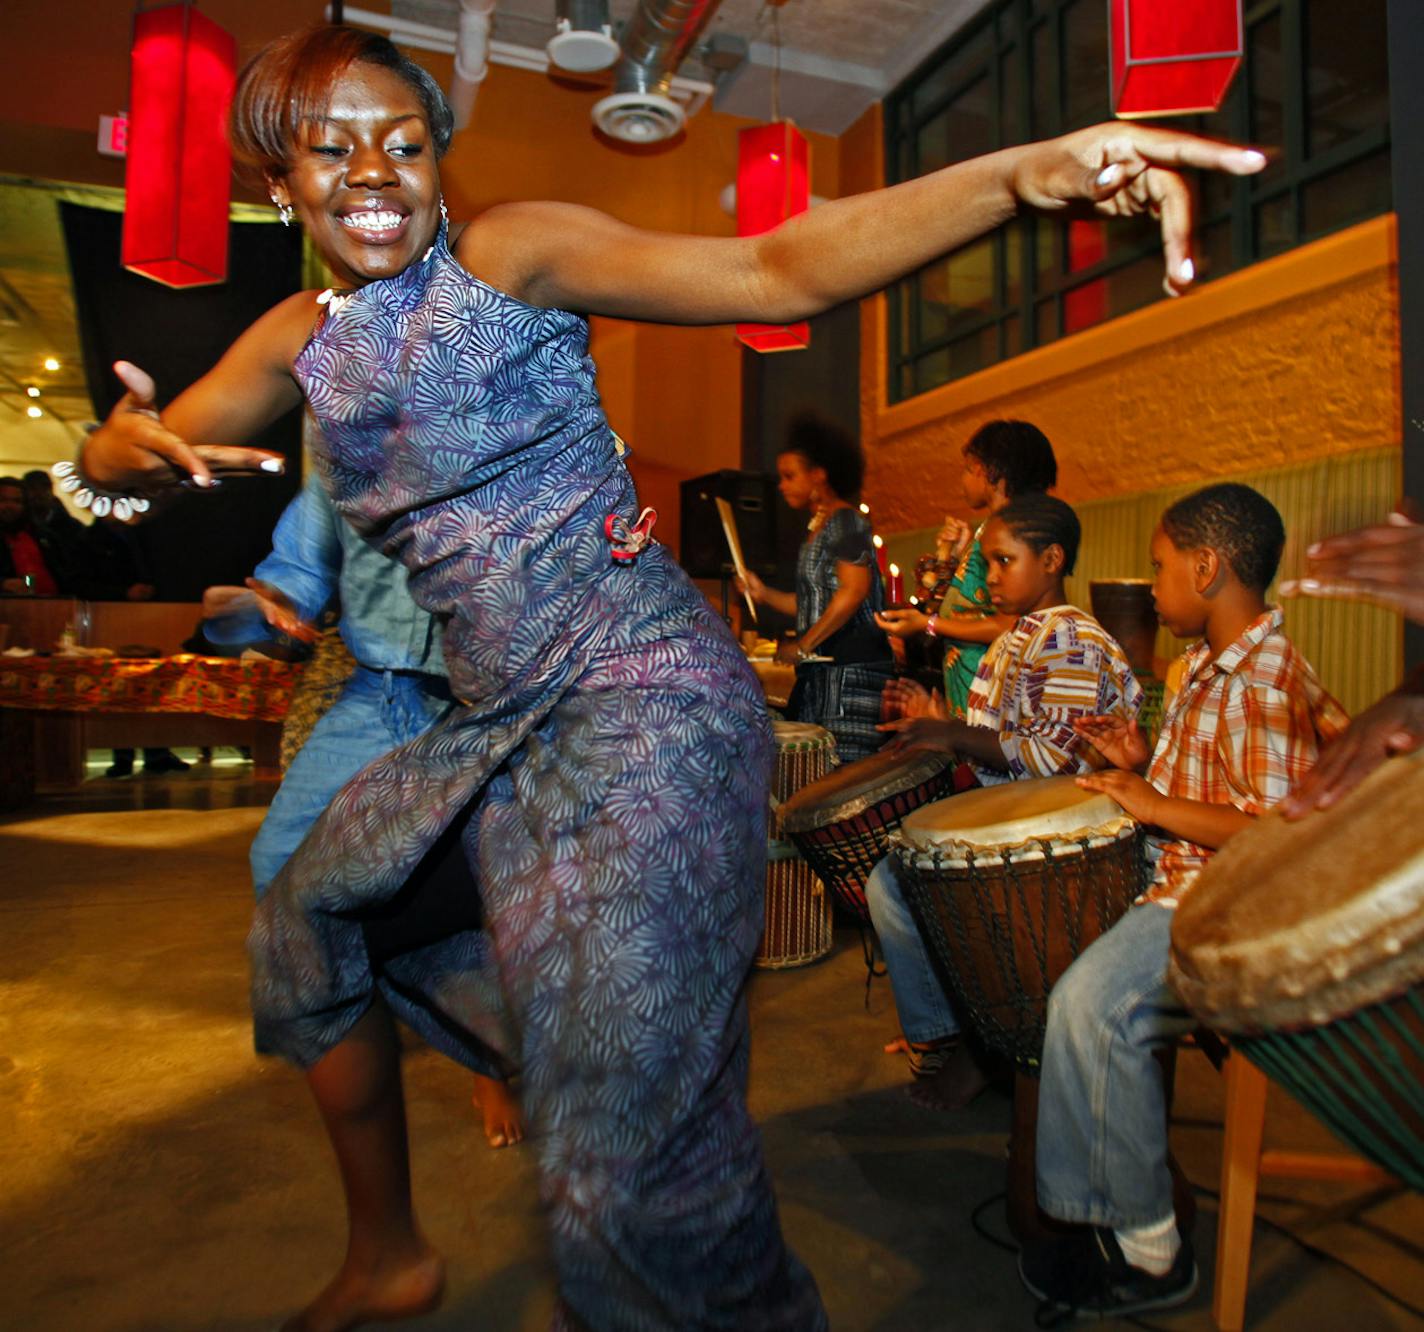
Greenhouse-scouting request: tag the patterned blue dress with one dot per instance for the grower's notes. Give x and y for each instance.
(615, 752)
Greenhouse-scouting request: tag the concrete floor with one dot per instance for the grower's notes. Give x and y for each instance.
(157, 1176)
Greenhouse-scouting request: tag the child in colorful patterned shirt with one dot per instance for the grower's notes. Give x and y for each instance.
(1054, 666)
(1244, 727)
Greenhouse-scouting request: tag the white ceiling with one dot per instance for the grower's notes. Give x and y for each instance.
(837, 56)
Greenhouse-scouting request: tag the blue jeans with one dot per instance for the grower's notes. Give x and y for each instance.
(1102, 1127)
(925, 1011)
(376, 711)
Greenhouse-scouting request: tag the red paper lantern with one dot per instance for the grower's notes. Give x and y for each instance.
(773, 183)
(1173, 57)
(182, 70)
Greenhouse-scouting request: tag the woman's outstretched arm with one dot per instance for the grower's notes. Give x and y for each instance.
(576, 258)
(199, 434)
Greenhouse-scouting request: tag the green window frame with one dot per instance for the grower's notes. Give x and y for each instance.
(1313, 84)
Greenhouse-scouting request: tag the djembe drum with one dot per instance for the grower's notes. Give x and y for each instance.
(1009, 884)
(840, 823)
(1304, 942)
(797, 927)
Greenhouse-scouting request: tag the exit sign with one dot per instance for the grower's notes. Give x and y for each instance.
(114, 135)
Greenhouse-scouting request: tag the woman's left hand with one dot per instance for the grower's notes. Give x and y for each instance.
(1121, 169)
(902, 621)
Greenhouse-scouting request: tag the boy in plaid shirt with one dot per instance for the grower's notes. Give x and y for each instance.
(1244, 727)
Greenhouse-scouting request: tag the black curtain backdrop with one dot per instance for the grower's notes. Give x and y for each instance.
(177, 336)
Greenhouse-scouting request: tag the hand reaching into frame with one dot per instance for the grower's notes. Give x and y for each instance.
(1382, 564)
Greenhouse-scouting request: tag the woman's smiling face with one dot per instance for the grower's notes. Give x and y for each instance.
(364, 181)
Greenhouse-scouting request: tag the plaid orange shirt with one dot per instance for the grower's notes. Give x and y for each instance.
(1241, 730)
(1052, 666)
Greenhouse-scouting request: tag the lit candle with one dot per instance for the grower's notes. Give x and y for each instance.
(879, 545)
(865, 509)
(897, 586)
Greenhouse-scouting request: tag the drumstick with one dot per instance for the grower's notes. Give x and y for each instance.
(729, 526)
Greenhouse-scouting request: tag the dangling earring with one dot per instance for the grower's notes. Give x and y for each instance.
(284, 211)
(444, 213)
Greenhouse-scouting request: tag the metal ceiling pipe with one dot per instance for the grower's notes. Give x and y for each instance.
(655, 42)
(472, 42)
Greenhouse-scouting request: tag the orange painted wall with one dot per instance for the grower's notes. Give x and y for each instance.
(1291, 359)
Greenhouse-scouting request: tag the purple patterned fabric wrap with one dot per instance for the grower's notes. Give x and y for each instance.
(617, 747)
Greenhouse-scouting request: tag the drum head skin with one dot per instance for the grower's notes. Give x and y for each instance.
(855, 787)
(801, 735)
(1297, 924)
(1016, 814)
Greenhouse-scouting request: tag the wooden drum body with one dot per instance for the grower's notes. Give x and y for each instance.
(1304, 942)
(1009, 885)
(841, 822)
(798, 912)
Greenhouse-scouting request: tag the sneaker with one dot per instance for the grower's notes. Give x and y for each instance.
(1094, 1280)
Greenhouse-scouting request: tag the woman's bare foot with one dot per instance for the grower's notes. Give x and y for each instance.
(925, 1058)
(395, 1288)
(504, 1124)
(955, 1085)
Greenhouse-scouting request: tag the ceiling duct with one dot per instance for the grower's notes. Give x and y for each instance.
(655, 42)
(584, 40)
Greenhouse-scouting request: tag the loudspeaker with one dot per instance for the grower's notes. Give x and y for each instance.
(755, 503)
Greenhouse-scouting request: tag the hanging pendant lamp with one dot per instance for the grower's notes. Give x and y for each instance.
(182, 70)
(1173, 57)
(773, 184)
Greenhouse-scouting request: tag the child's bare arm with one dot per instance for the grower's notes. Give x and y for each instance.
(1192, 820)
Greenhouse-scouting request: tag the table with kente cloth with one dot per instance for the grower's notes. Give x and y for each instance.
(220, 687)
(54, 709)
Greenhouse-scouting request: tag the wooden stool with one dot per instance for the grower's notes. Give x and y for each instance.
(1242, 1164)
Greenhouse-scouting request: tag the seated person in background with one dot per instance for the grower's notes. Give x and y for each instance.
(47, 515)
(1243, 728)
(396, 692)
(1383, 564)
(111, 563)
(1002, 461)
(1055, 665)
(31, 563)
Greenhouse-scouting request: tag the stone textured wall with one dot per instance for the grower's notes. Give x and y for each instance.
(1304, 378)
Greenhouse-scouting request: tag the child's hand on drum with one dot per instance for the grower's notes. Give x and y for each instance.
(916, 733)
(1118, 740)
(1135, 794)
(1394, 725)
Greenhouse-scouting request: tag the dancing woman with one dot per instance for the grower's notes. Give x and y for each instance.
(611, 757)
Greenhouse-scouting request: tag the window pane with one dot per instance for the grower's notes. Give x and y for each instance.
(931, 371)
(1014, 241)
(1135, 285)
(1013, 337)
(957, 290)
(1274, 226)
(1011, 126)
(1045, 83)
(1351, 194)
(963, 129)
(1347, 79)
(1214, 251)
(1085, 63)
(1045, 249)
(969, 61)
(1045, 322)
(1085, 305)
(1268, 125)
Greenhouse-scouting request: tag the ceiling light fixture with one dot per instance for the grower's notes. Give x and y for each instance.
(33, 412)
(32, 392)
(51, 364)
